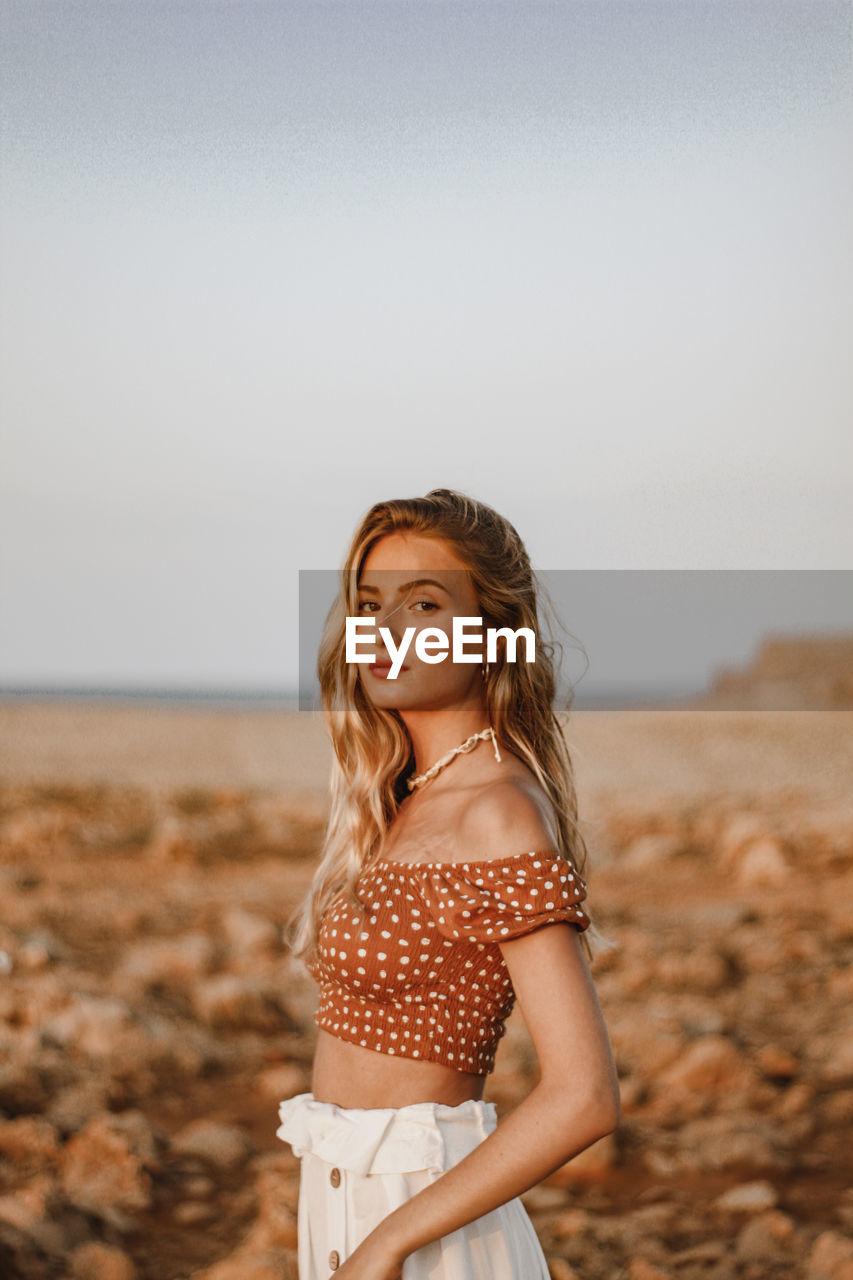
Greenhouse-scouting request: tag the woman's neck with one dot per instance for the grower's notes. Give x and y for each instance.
(433, 733)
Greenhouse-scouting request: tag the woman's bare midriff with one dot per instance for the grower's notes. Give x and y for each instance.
(352, 1076)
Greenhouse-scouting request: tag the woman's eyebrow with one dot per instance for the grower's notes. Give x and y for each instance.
(408, 586)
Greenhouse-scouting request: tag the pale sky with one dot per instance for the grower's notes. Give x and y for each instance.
(264, 264)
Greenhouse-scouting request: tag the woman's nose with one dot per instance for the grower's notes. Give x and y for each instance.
(390, 618)
(390, 622)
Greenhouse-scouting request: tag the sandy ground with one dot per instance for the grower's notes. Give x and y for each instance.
(635, 753)
(150, 1018)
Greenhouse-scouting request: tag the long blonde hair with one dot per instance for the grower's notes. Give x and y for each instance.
(372, 749)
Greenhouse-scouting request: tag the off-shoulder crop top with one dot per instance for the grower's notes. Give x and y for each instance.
(418, 970)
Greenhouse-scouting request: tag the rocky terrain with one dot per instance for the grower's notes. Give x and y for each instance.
(151, 1020)
(808, 673)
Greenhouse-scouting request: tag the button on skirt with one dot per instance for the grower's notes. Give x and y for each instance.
(357, 1166)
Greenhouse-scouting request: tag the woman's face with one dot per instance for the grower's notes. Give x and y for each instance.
(412, 581)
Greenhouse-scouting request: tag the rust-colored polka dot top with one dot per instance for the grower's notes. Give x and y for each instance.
(418, 970)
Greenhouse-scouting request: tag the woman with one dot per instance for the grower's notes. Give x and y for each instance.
(452, 844)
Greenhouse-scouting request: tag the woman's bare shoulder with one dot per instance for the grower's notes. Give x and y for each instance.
(506, 817)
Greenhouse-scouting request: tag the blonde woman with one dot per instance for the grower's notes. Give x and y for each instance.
(450, 885)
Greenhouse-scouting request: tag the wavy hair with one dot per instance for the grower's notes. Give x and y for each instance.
(372, 750)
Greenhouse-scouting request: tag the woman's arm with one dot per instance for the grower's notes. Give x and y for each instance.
(575, 1103)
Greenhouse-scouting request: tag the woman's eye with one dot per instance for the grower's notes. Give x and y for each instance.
(424, 605)
(367, 606)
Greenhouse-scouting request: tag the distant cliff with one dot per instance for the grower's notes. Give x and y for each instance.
(789, 671)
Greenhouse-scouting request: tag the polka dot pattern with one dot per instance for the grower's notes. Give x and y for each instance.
(418, 970)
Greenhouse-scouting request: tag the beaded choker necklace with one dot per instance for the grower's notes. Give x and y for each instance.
(468, 745)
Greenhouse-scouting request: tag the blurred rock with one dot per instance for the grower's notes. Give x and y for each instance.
(570, 1223)
(560, 1269)
(38, 831)
(840, 984)
(719, 915)
(654, 1222)
(222, 1145)
(282, 1081)
(739, 832)
(765, 1236)
(30, 1144)
(96, 1261)
(837, 1057)
(763, 862)
(106, 1167)
(718, 1142)
(247, 932)
(198, 1186)
(790, 671)
(831, 1257)
(272, 1264)
(648, 850)
(702, 969)
(837, 1108)
(91, 1025)
(268, 1250)
(702, 1254)
(748, 1197)
(193, 1213)
(176, 838)
(33, 956)
(644, 1045)
(709, 1065)
(776, 1063)
(20, 1259)
(796, 1100)
(844, 1209)
(170, 961)
(31, 1212)
(21, 1090)
(231, 1001)
(699, 1015)
(275, 1223)
(76, 1103)
(640, 1269)
(543, 1198)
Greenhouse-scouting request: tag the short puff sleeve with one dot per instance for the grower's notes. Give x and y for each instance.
(494, 901)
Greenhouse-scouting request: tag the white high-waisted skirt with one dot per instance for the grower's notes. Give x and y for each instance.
(357, 1166)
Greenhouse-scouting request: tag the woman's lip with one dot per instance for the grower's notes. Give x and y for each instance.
(382, 669)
